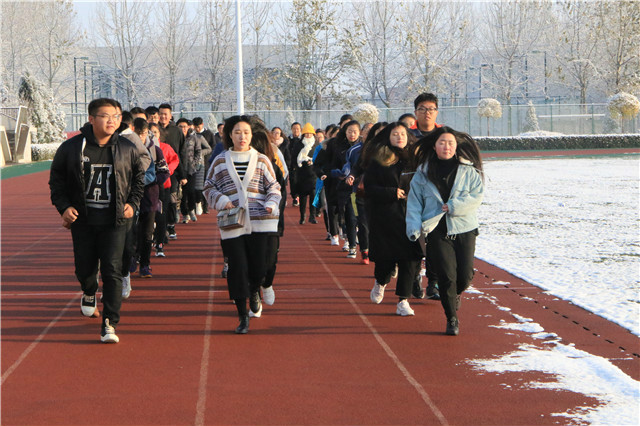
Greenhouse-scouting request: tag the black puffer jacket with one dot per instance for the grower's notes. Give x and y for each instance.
(66, 178)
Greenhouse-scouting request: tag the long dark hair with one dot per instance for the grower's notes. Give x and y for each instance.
(261, 138)
(466, 149)
(381, 144)
(342, 134)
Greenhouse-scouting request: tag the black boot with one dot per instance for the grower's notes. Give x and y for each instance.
(452, 327)
(243, 327)
(417, 290)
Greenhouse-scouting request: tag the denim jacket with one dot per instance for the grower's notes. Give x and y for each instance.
(424, 203)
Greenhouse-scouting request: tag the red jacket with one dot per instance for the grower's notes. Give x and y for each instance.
(172, 161)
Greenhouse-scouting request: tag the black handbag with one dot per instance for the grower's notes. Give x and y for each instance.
(231, 218)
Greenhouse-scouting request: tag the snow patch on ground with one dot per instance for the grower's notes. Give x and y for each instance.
(569, 226)
(539, 133)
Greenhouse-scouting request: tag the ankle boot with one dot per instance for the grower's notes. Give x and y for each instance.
(243, 327)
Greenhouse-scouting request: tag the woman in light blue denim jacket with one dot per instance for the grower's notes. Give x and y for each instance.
(443, 201)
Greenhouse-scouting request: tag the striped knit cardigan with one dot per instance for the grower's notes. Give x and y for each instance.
(258, 190)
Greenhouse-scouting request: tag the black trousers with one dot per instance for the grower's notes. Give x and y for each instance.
(273, 247)
(161, 216)
(345, 208)
(247, 258)
(145, 236)
(304, 196)
(363, 225)
(453, 261)
(406, 274)
(102, 245)
(188, 202)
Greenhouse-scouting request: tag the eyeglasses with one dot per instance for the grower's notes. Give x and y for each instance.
(423, 110)
(109, 117)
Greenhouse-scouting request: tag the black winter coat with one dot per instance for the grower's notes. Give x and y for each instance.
(66, 178)
(386, 213)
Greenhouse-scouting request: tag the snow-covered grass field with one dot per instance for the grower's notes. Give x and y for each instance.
(570, 226)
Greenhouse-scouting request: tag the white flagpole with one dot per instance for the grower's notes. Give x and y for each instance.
(239, 78)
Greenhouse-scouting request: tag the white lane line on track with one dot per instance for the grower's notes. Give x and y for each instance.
(204, 363)
(38, 339)
(417, 386)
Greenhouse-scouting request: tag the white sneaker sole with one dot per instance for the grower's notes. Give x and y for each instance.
(268, 296)
(256, 314)
(109, 338)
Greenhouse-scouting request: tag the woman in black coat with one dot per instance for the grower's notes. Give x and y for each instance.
(388, 172)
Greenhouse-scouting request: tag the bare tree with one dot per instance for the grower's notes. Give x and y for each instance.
(315, 44)
(127, 42)
(259, 86)
(378, 42)
(511, 30)
(15, 46)
(174, 39)
(576, 46)
(219, 49)
(619, 23)
(439, 36)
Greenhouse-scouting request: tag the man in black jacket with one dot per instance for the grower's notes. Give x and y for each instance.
(175, 139)
(96, 183)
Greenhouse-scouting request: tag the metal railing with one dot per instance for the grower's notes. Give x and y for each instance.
(575, 119)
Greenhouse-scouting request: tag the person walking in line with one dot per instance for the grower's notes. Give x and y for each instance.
(158, 173)
(295, 141)
(305, 175)
(387, 160)
(446, 192)
(242, 177)
(193, 145)
(174, 138)
(96, 183)
(348, 136)
(198, 126)
(171, 158)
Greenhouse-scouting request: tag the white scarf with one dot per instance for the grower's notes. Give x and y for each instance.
(303, 157)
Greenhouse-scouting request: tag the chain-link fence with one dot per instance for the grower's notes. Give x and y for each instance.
(570, 119)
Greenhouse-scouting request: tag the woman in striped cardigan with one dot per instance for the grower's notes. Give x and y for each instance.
(241, 176)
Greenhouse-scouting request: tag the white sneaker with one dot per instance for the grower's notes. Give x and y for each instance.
(268, 295)
(88, 305)
(404, 309)
(126, 286)
(335, 240)
(377, 293)
(108, 333)
(199, 209)
(192, 216)
(256, 314)
(185, 219)
(345, 247)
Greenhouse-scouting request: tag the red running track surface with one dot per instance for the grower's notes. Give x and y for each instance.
(322, 355)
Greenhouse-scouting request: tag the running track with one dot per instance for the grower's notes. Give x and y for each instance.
(322, 355)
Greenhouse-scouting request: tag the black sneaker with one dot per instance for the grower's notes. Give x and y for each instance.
(172, 232)
(160, 251)
(243, 327)
(432, 291)
(417, 291)
(108, 334)
(313, 220)
(254, 304)
(452, 327)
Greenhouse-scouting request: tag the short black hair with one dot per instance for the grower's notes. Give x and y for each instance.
(294, 123)
(151, 110)
(140, 125)
(407, 115)
(425, 97)
(183, 120)
(168, 106)
(137, 110)
(96, 104)
(127, 118)
(197, 121)
(345, 117)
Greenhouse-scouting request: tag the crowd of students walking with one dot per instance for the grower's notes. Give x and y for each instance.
(403, 195)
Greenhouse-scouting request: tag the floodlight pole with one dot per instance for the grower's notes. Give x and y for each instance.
(239, 77)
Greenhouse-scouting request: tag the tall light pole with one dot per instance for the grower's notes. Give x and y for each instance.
(85, 78)
(75, 90)
(239, 77)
